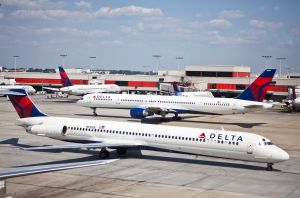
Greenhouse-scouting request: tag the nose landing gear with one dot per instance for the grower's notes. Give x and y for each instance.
(94, 111)
(176, 117)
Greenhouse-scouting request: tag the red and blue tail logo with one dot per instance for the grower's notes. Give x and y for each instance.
(23, 104)
(176, 89)
(258, 89)
(65, 81)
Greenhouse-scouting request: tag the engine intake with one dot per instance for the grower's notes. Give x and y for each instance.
(140, 113)
(48, 130)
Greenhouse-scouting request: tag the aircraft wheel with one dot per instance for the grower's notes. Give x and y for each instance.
(103, 154)
(163, 119)
(269, 166)
(176, 118)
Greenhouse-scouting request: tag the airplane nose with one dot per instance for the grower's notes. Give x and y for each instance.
(280, 155)
(284, 156)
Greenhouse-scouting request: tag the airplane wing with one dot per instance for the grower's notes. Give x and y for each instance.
(52, 89)
(30, 170)
(157, 110)
(254, 106)
(162, 109)
(89, 145)
(143, 111)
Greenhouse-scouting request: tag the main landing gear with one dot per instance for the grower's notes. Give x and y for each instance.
(121, 151)
(176, 117)
(94, 111)
(104, 153)
(269, 166)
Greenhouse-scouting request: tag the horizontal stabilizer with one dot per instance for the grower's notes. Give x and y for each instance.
(51, 89)
(11, 92)
(30, 170)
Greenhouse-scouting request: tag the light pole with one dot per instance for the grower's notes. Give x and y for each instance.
(157, 57)
(266, 57)
(178, 58)
(15, 57)
(92, 57)
(280, 59)
(63, 59)
(147, 67)
(289, 71)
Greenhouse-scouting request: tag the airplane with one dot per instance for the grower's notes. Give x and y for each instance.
(121, 136)
(142, 106)
(28, 88)
(293, 101)
(192, 93)
(80, 90)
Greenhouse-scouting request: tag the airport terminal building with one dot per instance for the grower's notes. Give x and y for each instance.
(222, 80)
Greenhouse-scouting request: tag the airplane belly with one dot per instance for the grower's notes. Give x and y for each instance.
(223, 153)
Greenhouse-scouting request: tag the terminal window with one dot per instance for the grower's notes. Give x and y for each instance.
(240, 87)
(209, 74)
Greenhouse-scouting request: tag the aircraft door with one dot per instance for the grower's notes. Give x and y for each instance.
(250, 149)
(234, 108)
(118, 100)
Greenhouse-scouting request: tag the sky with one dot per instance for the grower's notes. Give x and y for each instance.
(126, 34)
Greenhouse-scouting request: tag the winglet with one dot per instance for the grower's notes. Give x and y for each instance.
(65, 81)
(258, 89)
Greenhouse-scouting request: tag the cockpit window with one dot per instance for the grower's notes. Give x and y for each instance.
(265, 142)
(268, 143)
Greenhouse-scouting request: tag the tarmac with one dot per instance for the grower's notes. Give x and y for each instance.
(151, 173)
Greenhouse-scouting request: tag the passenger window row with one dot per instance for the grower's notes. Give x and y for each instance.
(156, 136)
(216, 104)
(104, 99)
(159, 101)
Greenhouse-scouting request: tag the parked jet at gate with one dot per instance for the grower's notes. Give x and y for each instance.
(177, 92)
(142, 106)
(80, 90)
(122, 136)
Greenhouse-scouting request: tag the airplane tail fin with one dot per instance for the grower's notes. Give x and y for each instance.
(22, 103)
(176, 89)
(258, 89)
(65, 81)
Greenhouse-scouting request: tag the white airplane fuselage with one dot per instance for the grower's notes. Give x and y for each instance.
(80, 90)
(209, 142)
(180, 103)
(207, 94)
